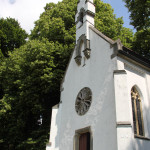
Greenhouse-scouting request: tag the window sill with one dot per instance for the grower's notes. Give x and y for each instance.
(141, 137)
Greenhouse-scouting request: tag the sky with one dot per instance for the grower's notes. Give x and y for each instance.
(25, 11)
(121, 11)
(28, 11)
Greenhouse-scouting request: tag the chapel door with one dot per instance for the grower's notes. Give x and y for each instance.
(84, 141)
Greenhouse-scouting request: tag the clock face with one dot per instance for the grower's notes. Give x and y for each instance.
(83, 101)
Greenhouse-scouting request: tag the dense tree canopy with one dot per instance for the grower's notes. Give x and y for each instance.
(140, 13)
(27, 77)
(107, 23)
(57, 23)
(141, 43)
(140, 19)
(11, 35)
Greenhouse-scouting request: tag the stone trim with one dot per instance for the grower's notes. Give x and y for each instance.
(77, 135)
(86, 42)
(102, 35)
(83, 130)
(88, 12)
(83, 98)
(141, 137)
(117, 45)
(120, 72)
(86, 51)
(78, 59)
(123, 124)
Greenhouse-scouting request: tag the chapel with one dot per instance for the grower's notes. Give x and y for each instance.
(105, 93)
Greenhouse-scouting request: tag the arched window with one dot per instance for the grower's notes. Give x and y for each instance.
(137, 112)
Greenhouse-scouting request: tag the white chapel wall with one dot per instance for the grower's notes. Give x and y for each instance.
(140, 78)
(97, 74)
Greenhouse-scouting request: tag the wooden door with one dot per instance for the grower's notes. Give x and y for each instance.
(84, 141)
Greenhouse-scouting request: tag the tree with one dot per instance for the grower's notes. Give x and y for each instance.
(107, 23)
(26, 77)
(141, 43)
(126, 37)
(140, 19)
(11, 35)
(57, 23)
(140, 13)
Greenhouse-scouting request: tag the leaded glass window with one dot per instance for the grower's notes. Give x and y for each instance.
(137, 112)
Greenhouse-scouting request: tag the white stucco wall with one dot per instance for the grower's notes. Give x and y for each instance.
(97, 74)
(53, 143)
(110, 81)
(136, 76)
(123, 119)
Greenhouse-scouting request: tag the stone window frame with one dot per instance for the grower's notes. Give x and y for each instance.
(77, 136)
(83, 12)
(87, 51)
(135, 116)
(83, 101)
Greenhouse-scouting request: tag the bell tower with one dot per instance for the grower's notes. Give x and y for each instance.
(84, 17)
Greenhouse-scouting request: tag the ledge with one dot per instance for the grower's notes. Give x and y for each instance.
(124, 124)
(120, 72)
(141, 137)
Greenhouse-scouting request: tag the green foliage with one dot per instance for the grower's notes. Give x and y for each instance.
(11, 35)
(140, 19)
(107, 23)
(126, 37)
(56, 23)
(141, 43)
(26, 77)
(140, 13)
